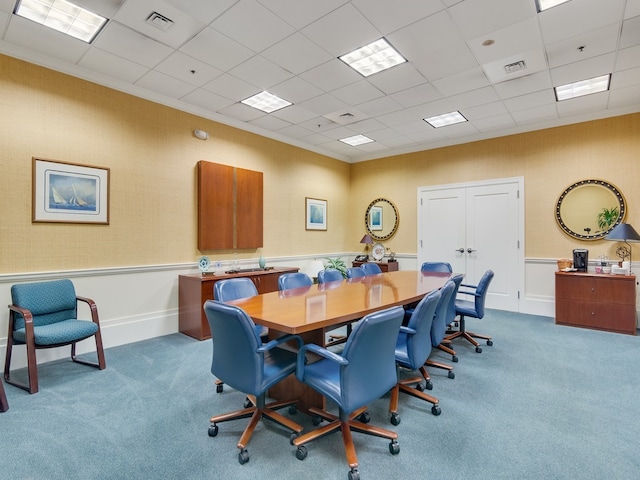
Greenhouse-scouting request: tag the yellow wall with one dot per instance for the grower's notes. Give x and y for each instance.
(549, 160)
(152, 154)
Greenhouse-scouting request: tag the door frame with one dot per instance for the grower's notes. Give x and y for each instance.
(519, 181)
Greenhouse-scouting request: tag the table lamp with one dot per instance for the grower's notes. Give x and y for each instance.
(625, 233)
(367, 240)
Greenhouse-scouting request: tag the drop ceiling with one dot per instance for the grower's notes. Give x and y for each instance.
(217, 53)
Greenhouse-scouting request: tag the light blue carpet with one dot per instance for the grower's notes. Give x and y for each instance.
(545, 402)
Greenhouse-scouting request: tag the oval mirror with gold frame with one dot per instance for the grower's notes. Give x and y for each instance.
(590, 209)
(381, 219)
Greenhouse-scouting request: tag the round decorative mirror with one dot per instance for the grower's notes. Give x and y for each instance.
(590, 209)
(381, 219)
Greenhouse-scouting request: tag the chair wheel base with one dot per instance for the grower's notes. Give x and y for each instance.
(213, 430)
(301, 452)
(436, 410)
(243, 456)
(451, 375)
(478, 350)
(354, 474)
(490, 343)
(219, 388)
(394, 448)
(395, 419)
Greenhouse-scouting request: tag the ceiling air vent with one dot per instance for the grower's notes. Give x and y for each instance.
(159, 21)
(515, 67)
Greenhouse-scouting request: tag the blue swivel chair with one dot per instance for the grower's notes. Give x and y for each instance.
(412, 350)
(439, 326)
(287, 281)
(436, 267)
(364, 372)
(4, 404)
(243, 362)
(234, 289)
(355, 272)
(330, 275)
(473, 308)
(371, 268)
(45, 315)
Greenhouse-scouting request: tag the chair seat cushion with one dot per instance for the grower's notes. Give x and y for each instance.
(324, 376)
(466, 308)
(66, 331)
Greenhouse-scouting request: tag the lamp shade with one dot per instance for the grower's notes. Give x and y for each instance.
(623, 232)
(367, 239)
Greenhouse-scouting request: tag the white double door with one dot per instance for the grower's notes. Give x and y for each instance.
(477, 227)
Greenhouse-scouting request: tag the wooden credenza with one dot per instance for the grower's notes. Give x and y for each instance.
(384, 266)
(194, 290)
(597, 301)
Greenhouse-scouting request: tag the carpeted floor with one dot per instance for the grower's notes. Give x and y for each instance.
(544, 402)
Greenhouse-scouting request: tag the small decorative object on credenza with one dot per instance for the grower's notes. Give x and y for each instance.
(626, 233)
(203, 264)
(391, 255)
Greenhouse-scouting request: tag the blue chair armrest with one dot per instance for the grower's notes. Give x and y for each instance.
(407, 330)
(318, 350)
(265, 347)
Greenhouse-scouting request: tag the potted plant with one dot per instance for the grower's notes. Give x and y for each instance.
(338, 264)
(607, 217)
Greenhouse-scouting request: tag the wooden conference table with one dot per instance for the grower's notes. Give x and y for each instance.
(312, 311)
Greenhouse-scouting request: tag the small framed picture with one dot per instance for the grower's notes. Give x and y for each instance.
(375, 218)
(316, 214)
(69, 192)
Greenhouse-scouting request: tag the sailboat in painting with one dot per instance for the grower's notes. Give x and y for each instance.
(67, 195)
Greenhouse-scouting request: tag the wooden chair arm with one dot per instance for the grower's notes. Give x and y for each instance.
(26, 315)
(92, 306)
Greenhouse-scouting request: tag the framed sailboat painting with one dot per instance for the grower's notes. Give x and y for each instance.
(69, 192)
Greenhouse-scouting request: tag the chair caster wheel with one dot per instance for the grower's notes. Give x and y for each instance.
(454, 359)
(478, 350)
(213, 430)
(219, 388)
(301, 452)
(292, 437)
(451, 375)
(428, 385)
(364, 417)
(395, 419)
(420, 387)
(243, 457)
(490, 343)
(247, 403)
(354, 474)
(436, 410)
(293, 409)
(315, 420)
(394, 447)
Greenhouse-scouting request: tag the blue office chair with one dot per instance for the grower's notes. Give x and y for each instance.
(4, 404)
(45, 315)
(436, 267)
(412, 350)
(243, 362)
(287, 281)
(473, 308)
(371, 268)
(330, 275)
(234, 289)
(355, 272)
(364, 372)
(439, 327)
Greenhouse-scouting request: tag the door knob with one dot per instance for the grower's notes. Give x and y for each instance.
(470, 250)
(460, 250)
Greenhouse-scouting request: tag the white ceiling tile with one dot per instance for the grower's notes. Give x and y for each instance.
(398, 78)
(484, 111)
(473, 98)
(242, 112)
(523, 85)
(534, 61)
(510, 40)
(416, 95)
(188, 69)
(587, 45)
(342, 31)
(296, 90)
(164, 84)
(592, 67)
(300, 13)
(252, 25)
(216, 50)
(628, 58)
(626, 78)
(297, 54)
(461, 82)
(356, 93)
(453, 59)
(260, 72)
(630, 32)
(388, 20)
(112, 65)
(270, 122)
(207, 100)
(379, 106)
(231, 87)
(531, 100)
(595, 101)
(323, 104)
(397, 118)
(7, 5)
(331, 75)
(540, 113)
(124, 42)
(488, 124)
(623, 97)
(294, 114)
(482, 16)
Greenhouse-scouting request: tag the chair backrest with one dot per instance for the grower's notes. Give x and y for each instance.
(439, 326)
(355, 272)
(236, 360)
(233, 289)
(287, 281)
(371, 268)
(419, 345)
(481, 292)
(370, 351)
(436, 267)
(451, 311)
(49, 302)
(330, 275)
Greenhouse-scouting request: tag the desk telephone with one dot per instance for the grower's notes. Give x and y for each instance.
(362, 258)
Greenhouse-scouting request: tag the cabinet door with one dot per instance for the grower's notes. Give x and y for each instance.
(215, 206)
(248, 208)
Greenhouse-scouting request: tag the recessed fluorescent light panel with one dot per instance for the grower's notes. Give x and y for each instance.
(62, 16)
(584, 87)
(546, 4)
(445, 119)
(373, 58)
(356, 140)
(267, 102)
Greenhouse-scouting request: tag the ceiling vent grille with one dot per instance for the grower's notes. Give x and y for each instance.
(515, 67)
(159, 21)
